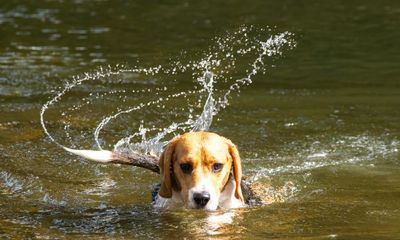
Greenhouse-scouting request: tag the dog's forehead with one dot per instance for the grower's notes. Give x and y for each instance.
(192, 145)
(216, 147)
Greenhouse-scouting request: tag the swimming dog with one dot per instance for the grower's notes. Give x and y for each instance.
(202, 170)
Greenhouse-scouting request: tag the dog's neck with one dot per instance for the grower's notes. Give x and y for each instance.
(227, 198)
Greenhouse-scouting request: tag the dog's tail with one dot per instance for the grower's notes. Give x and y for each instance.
(129, 158)
(103, 156)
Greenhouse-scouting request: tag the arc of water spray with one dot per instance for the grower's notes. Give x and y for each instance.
(203, 122)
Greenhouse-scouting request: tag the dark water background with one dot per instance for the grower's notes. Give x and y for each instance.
(326, 119)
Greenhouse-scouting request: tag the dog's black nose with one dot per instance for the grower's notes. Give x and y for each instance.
(201, 198)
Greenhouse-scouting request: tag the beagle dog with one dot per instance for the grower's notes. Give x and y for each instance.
(202, 170)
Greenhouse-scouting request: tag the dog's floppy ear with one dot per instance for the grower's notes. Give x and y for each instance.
(237, 169)
(165, 164)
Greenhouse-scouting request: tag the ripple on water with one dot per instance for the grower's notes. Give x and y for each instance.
(307, 156)
(26, 187)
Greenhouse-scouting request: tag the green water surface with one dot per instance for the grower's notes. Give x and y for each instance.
(325, 120)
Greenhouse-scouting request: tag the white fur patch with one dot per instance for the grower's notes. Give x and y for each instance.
(204, 186)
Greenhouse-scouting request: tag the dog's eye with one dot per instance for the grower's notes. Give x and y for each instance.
(186, 168)
(217, 167)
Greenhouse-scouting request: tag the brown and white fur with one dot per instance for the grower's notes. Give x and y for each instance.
(202, 170)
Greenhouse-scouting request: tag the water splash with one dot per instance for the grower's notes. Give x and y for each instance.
(228, 65)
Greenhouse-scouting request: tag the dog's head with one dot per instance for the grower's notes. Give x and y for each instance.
(198, 165)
